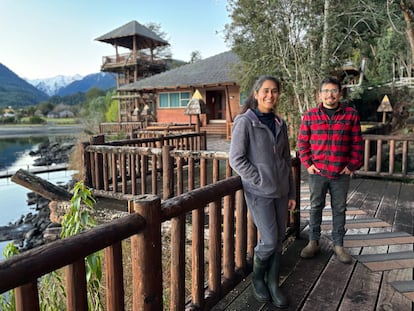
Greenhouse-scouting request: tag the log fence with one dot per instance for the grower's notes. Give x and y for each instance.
(388, 156)
(228, 240)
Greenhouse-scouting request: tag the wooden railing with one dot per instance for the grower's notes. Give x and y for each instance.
(134, 129)
(137, 166)
(128, 59)
(197, 185)
(388, 156)
(228, 242)
(117, 127)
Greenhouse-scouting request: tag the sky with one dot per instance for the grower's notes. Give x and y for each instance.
(45, 38)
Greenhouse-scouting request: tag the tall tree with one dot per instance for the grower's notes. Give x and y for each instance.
(301, 41)
(407, 8)
(161, 51)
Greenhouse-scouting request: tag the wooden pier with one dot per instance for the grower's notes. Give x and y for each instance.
(38, 170)
(380, 238)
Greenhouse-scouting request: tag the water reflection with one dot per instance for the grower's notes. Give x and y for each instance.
(14, 152)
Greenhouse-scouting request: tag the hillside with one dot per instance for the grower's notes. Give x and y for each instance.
(101, 80)
(16, 92)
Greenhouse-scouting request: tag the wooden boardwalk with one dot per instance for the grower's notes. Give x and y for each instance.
(380, 238)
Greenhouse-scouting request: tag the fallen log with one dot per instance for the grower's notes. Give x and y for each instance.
(41, 186)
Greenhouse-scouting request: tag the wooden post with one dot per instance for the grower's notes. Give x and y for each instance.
(167, 173)
(241, 230)
(146, 255)
(76, 291)
(296, 178)
(177, 284)
(228, 237)
(86, 165)
(251, 236)
(114, 278)
(27, 297)
(98, 140)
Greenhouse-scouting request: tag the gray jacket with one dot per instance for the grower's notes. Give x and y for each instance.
(262, 160)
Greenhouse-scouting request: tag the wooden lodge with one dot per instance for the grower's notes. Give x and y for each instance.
(172, 90)
(147, 90)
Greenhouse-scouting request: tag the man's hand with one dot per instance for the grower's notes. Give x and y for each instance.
(346, 171)
(313, 169)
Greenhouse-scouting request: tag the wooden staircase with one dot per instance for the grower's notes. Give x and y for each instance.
(214, 128)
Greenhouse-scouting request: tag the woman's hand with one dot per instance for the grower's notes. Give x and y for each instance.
(291, 205)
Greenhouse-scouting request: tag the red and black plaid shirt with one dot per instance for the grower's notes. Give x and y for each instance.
(331, 144)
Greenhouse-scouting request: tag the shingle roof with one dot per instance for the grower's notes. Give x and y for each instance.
(213, 70)
(122, 36)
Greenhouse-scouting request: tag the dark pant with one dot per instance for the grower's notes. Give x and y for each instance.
(338, 189)
(270, 216)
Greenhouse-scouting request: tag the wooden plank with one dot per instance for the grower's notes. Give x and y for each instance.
(362, 291)
(388, 297)
(305, 275)
(363, 288)
(405, 206)
(404, 287)
(328, 290)
(358, 223)
(233, 295)
(328, 212)
(387, 238)
(373, 190)
(358, 190)
(387, 208)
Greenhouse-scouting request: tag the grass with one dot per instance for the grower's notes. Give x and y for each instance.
(50, 121)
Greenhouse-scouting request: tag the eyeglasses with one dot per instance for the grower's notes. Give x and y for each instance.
(334, 91)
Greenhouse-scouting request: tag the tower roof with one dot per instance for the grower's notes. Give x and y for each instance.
(123, 36)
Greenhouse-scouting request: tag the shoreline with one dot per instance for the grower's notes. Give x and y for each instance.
(7, 131)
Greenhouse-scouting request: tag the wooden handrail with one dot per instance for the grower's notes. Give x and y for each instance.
(28, 266)
(380, 156)
(144, 226)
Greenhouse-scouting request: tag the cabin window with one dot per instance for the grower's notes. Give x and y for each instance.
(243, 97)
(174, 99)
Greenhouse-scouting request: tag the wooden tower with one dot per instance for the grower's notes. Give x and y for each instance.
(139, 62)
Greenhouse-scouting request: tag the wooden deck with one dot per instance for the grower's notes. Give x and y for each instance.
(379, 237)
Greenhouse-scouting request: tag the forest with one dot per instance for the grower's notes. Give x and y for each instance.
(301, 41)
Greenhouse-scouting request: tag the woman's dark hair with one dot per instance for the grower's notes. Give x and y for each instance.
(250, 101)
(330, 80)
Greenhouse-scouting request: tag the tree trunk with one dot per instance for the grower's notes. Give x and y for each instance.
(325, 35)
(409, 30)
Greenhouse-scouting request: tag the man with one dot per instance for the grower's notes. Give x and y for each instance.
(331, 148)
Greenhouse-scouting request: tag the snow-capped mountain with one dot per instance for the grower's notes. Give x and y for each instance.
(51, 86)
(100, 80)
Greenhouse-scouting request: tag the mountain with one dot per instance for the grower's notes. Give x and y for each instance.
(51, 86)
(101, 80)
(16, 92)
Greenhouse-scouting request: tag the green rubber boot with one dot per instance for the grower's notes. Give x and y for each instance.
(260, 291)
(278, 298)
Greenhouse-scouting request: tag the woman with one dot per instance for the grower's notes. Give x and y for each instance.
(259, 153)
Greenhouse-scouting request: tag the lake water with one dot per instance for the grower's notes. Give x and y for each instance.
(14, 155)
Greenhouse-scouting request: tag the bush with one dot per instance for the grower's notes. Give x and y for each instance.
(36, 120)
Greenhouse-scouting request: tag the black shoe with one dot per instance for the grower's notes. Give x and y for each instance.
(278, 298)
(260, 291)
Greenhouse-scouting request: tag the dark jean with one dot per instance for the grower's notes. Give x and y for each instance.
(338, 190)
(270, 216)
